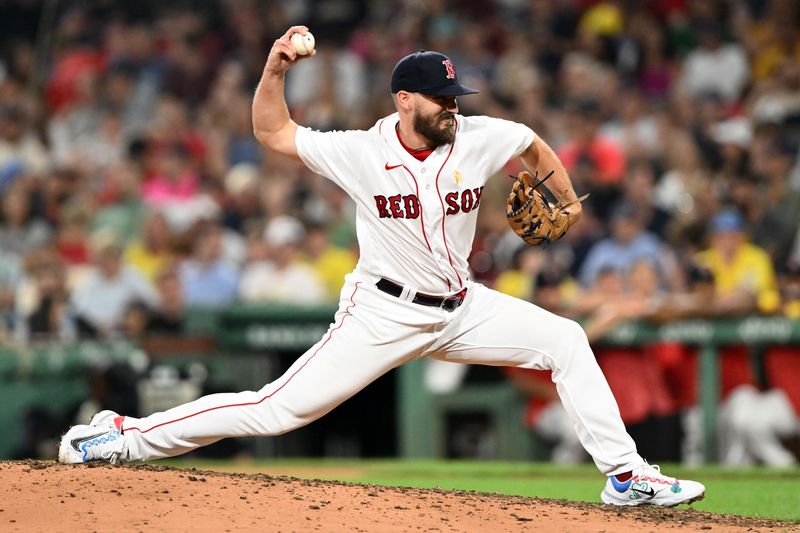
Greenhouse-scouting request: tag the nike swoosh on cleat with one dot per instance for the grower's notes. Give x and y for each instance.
(75, 443)
(388, 167)
(650, 493)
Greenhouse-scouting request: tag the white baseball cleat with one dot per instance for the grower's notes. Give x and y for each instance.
(101, 440)
(648, 486)
(103, 417)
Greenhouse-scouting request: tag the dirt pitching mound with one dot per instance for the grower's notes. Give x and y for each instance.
(46, 496)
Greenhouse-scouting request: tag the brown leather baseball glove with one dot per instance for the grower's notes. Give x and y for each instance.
(534, 212)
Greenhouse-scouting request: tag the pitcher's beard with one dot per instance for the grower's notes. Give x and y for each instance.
(431, 128)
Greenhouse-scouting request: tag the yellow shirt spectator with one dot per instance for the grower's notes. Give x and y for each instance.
(331, 266)
(515, 283)
(150, 264)
(750, 268)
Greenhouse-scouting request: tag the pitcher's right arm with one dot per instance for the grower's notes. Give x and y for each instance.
(272, 125)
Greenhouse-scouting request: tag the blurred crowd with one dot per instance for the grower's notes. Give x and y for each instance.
(132, 186)
(133, 189)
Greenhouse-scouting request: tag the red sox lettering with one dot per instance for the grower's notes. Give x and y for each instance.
(408, 206)
(466, 201)
(391, 206)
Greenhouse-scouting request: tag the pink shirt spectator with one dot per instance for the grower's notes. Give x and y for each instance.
(160, 189)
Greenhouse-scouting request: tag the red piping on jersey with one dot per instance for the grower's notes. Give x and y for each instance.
(421, 216)
(330, 334)
(444, 214)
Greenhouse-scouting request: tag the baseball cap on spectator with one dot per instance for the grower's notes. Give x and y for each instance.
(430, 73)
(727, 221)
(284, 230)
(737, 131)
(240, 178)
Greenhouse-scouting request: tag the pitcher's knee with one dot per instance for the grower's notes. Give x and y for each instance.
(574, 335)
(574, 347)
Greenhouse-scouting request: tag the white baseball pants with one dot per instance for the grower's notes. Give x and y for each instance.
(374, 332)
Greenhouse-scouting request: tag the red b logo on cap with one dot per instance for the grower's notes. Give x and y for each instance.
(451, 70)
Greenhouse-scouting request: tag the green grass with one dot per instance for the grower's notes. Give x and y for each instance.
(756, 492)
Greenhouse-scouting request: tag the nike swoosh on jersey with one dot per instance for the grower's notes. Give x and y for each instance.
(388, 167)
(77, 442)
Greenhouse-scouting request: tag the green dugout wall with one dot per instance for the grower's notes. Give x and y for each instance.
(53, 376)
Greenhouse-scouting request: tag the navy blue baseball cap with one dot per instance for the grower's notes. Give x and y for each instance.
(428, 73)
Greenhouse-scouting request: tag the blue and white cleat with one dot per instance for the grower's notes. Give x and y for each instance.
(101, 440)
(648, 486)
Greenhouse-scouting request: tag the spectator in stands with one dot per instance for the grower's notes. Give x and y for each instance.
(50, 319)
(100, 300)
(684, 189)
(242, 185)
(594, 161)
(121, 206)
(518, 279)
(11, 273)
(72, 234)
(135, 320)
(331, 263)
(165, 319)
(635, 129)
(21, 151)
(152, 252)
(174, 185)
(715, 67)
(20, 230)
(628, 243)
(641, 296)
(208, 280)
(168, 317)
(771, 41)
(778, 209)
(284, 277)
(743, 272)
(609, 285)
(174, 181)
(638, 189)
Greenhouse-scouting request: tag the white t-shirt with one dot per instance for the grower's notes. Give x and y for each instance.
(264, 282)
(415, 220)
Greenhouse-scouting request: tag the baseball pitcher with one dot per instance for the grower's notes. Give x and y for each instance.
(416, 177)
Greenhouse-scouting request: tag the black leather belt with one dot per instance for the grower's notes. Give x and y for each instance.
(448, 303)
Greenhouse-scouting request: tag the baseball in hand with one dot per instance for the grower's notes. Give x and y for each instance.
(303, 44)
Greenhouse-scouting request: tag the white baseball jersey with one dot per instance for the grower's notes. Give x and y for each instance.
(415, 219)
(416, 222)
